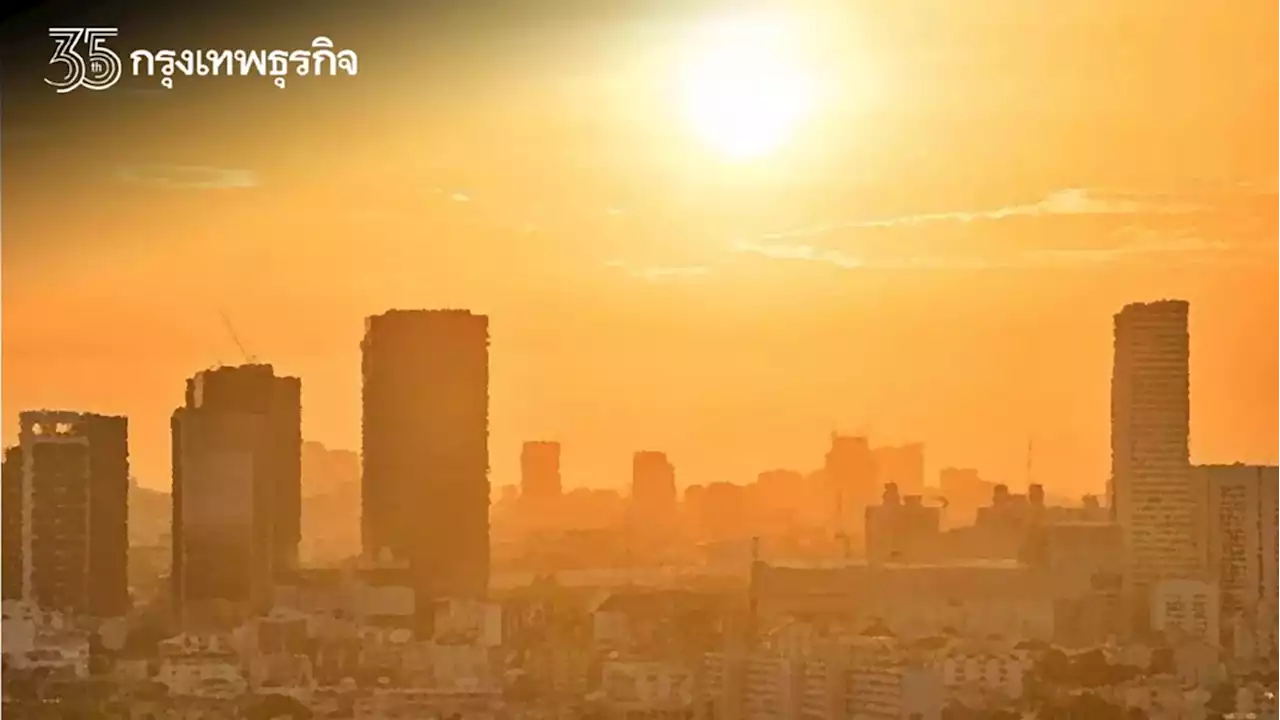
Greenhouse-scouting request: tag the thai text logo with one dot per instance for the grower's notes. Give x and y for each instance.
(97, 67)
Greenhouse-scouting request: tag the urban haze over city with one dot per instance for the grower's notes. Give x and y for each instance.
(750, 361)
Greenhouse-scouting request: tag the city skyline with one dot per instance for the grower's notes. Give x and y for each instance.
(963, 215)
(1019, 478)
(681, 359)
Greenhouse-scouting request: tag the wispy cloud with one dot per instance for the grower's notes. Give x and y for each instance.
(1199, 249)
(1073, 201)
(846, 261)
(806, 253)
(659, 273)
(1071, 227)
(188, 177)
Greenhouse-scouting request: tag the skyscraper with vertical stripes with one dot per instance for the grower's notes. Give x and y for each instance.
(1151, 492)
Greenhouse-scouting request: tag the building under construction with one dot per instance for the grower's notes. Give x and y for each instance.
(237, 490)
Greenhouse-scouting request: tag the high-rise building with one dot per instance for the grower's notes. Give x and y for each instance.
(1238, 530)
(902, 465)
(540, 475)
(74, 511)
(11, 517)
(330, 504)
(850, 480)
(653, 489)
(237, 454)
(425, 491)
(1151, 490)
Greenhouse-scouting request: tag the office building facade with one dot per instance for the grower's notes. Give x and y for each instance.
(425, 432)
(1238, 528)
(1151, 494)
(237, 454)
(653, 488)
(540, 486)
(72, 472)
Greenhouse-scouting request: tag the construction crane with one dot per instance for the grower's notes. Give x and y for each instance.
(231, 330)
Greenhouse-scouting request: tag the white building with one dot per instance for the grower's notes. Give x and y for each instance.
(772, 687)
(1164, 697)
(38, 639)
(1239, 529)
(460, 665)
(1151, 490)
(984, 674)
(418, 703)
(1188, 608)
(476, 621)
(893, 689)
(838, 679)
(202, 675)
(652, 689)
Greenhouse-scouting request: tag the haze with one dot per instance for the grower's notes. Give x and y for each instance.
(932, 253)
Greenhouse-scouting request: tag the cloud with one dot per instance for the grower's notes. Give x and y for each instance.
(807, 253)
(846, 261)
(659, 273)
(450, 195)
(1152, 247)
(1074, 201)
(1211, 224)
(188, 177)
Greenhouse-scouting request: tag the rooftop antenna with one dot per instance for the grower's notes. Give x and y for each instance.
(841, 535)
(231, 330)
(1030, 448)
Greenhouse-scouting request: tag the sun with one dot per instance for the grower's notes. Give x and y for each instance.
(745, 91)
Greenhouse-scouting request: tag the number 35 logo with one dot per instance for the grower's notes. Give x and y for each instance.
(98, 68)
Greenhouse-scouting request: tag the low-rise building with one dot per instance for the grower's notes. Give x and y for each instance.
(646, 689)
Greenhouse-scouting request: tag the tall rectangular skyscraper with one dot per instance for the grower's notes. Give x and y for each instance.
(73, 486)
(653, 490)
(11, 512)
(539, 475)
(237, 454)
(1151, 492)
(425, 432)
(850, 482)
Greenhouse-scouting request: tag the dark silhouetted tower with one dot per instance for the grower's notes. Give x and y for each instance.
(1151, 489)
(74, 511)
(237, 487)
(426, 448)
(11, 513)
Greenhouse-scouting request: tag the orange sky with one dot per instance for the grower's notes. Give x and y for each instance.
(937, 258)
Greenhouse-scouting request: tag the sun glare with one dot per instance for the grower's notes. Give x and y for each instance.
(745, 91)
